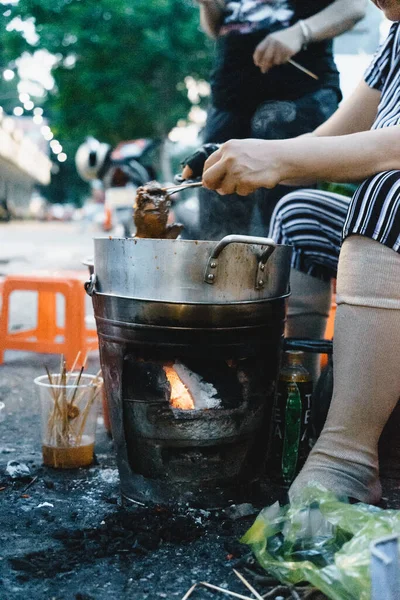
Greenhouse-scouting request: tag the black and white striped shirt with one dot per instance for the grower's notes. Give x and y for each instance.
(375, 207)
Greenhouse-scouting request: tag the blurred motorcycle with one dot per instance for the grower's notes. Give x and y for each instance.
(122, 170)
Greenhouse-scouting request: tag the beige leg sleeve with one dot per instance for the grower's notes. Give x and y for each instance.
(366, 372)
(308, 312)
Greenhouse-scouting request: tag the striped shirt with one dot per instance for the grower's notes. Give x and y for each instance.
(374, 210)
(315, 222)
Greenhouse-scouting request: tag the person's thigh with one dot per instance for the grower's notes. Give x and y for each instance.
(283, 120)
(312, 222)
(224, 125)
(223, 215)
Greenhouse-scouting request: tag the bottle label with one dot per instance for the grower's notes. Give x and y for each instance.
(279, 424)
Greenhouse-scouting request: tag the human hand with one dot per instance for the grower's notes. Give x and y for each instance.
(242, 166)
(277, 48)
(193, 165)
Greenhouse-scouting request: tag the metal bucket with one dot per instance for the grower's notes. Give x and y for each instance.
(236, 269)
(217, 308)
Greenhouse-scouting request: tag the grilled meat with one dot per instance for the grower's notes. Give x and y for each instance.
(151, 213)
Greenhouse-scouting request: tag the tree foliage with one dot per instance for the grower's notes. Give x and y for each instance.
(121, 63)
(120, 67)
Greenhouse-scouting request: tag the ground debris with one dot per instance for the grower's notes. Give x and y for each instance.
(126, 532)
(279, 592)
(17, 470)
(238, 511)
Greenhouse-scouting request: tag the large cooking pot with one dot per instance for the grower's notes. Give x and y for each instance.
(236, 269)
(211, 306)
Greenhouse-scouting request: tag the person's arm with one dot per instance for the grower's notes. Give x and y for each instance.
(355, 114)
(211, 15)
(242, 166)
(338, 17)
(279, 47)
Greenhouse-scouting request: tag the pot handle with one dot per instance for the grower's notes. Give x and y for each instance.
(90, 285)
(210, 275)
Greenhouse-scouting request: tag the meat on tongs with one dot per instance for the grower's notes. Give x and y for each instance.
(152, 208)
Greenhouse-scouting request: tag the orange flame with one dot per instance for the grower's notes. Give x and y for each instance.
(180, 395)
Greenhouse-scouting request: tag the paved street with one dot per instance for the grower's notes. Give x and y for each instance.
(64, 535)
(29, 246)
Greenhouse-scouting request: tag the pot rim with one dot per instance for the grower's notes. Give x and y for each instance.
(177, 241)
(88, 261)
(176, 302)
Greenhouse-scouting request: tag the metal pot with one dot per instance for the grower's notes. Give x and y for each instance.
(204, 304)
(236, 269)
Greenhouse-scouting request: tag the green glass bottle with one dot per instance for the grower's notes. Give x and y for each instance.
(292, 434)
(290, 416)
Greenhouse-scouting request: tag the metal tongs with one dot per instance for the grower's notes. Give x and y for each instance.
(181, 186)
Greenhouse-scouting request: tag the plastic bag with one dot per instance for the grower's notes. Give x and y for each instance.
(322, 540)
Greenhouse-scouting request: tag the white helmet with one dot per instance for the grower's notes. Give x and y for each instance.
(90, 159)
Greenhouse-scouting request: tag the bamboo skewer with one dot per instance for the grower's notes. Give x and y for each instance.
(64, 401)
(248, 585)
(224, 591)
(301, 68)
(85, 414)
(77, 380)
(32, 481)
(234, 594)
(61, 368)
(64, 429)
(56, 410)
(74, 365)
(190, 592)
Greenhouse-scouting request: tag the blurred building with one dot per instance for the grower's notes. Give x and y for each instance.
(23, 164)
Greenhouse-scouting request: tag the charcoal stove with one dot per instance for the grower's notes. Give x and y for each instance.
(190, 338)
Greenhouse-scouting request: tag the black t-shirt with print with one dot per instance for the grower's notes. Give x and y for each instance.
(237, 84)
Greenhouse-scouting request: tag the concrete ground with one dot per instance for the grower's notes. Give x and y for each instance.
(65, 537)
(63, 534)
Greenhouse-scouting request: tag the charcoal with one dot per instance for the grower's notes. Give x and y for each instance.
(223, 377)
(145, 381)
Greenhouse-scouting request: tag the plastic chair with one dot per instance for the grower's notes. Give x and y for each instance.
(45, 337)
(330, 326)
(329, 331)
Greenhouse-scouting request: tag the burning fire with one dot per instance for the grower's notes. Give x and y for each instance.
(180, 395)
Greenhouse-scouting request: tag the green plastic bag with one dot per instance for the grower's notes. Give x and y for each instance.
(322, 540)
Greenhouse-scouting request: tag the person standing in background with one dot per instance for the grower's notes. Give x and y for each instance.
(356, 239)
(258, 93)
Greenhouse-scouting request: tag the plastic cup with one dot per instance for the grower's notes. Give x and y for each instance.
(68, 416)
(2, 412)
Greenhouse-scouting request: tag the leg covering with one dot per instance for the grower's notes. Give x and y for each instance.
(308, 312)
(366, 372)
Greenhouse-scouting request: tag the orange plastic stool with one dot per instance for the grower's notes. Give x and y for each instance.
(330, 328)
(45, 337)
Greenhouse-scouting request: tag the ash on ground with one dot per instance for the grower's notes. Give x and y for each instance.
(65, 535)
